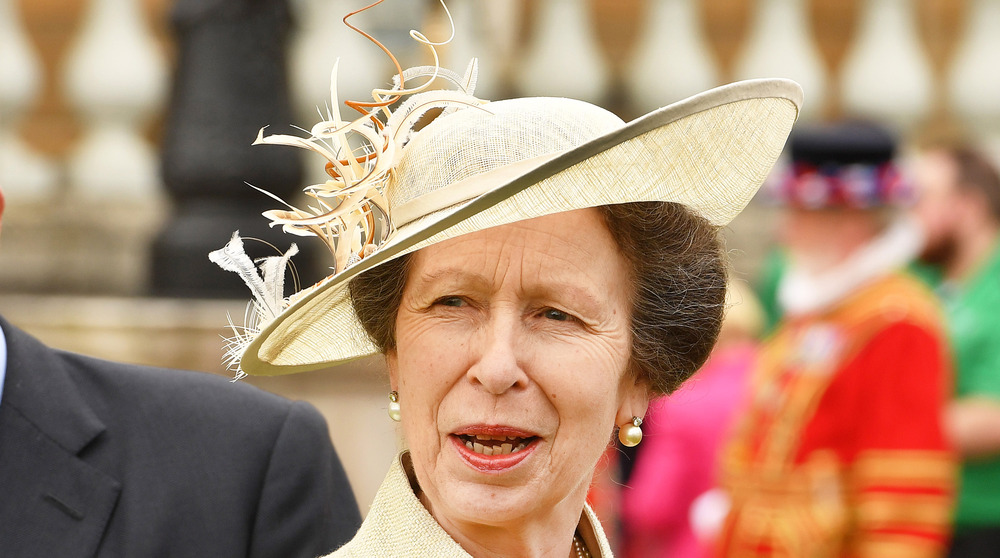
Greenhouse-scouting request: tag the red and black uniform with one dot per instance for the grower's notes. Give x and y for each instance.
(842, 453)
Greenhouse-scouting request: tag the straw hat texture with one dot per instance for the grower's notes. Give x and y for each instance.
(506, 161)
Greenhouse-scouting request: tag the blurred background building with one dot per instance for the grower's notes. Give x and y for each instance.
(85, 87)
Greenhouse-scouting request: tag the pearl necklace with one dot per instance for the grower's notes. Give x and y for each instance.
(581, 549)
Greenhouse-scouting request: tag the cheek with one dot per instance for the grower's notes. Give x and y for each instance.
(936, 218)
(586, 424)
(427, 366)
(425, 373)
(928, 210)
(584, 387)
(794, 231)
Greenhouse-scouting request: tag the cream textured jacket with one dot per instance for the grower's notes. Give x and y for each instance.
(399, 526)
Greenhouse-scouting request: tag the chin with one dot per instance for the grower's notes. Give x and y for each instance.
(487, 504)
(939, 253)
(467, 493)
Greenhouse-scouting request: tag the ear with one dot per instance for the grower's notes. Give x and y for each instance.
(392, 363)
(634, 397)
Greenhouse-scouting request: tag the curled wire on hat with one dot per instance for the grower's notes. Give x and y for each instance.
(349, 212)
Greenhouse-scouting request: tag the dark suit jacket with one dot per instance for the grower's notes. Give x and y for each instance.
(105, 459)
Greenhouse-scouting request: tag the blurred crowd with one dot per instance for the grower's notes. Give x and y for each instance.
(852, 405)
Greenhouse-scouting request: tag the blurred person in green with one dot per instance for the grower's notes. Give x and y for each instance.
(959, 208)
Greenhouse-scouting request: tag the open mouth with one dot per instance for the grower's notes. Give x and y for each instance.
(485, 444)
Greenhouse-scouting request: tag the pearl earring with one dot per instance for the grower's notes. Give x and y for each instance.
(394, 412)
(630, 435)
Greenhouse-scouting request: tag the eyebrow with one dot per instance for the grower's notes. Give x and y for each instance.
(592, 303)
(451, 275)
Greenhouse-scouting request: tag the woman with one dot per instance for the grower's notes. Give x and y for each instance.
(534, 271)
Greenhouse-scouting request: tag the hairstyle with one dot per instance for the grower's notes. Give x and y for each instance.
(977, 174)
(678, 288)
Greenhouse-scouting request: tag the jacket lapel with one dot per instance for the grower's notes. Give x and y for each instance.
(399, 525)
(55, 503)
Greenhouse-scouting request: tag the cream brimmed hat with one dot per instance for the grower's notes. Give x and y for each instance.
(484, 165)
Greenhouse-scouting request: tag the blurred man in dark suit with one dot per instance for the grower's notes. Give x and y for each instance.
(105, 459)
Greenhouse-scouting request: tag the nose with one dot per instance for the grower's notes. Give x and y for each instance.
(498, 368)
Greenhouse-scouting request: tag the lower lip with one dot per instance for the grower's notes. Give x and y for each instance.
(492, 463)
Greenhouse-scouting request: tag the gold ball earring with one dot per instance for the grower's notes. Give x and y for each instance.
(630, 435)
(394, 411)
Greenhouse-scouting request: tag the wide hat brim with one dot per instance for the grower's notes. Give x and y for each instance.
(710, 152)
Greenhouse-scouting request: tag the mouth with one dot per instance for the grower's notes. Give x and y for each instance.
(494, 449)
(485, 444)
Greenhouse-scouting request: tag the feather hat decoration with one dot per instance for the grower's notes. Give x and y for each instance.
(349, 212)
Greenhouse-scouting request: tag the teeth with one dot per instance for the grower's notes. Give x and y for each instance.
(475, 443)
(488, 438)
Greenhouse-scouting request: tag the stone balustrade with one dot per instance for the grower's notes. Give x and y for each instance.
(83, 97)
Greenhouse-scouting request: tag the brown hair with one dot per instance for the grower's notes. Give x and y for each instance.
(977, 174)
(678, 276)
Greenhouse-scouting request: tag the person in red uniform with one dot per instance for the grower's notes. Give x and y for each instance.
(842, 452)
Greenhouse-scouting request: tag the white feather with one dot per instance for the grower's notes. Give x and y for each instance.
(273, 269)
(232, 257)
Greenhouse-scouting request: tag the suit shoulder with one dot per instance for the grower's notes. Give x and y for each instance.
(173, 392)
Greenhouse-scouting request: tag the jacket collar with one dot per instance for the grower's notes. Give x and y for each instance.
(64, 502)
(802, 293)
(40, 388)
(399, 525)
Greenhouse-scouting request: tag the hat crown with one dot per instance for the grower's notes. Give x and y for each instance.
(842, 143)
(476, 140)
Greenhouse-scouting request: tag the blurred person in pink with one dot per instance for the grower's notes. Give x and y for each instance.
(684, 432)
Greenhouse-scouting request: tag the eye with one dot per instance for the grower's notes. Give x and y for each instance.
(557, 315)
(454, 301)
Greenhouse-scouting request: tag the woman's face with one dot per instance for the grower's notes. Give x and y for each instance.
(514, 341)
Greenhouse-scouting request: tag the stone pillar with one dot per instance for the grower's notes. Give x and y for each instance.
(672, 60)
(563, 59)
(780, 45)
(231, 79)
(886, 76)
(115, 78)
(24, 174)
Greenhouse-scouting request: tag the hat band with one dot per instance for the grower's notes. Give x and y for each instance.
(464, 190)
(859, 186)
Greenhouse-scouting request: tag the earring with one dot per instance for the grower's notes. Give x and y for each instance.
(630, 435)
(394, 412)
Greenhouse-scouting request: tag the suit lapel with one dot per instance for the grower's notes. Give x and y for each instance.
(55, 503)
